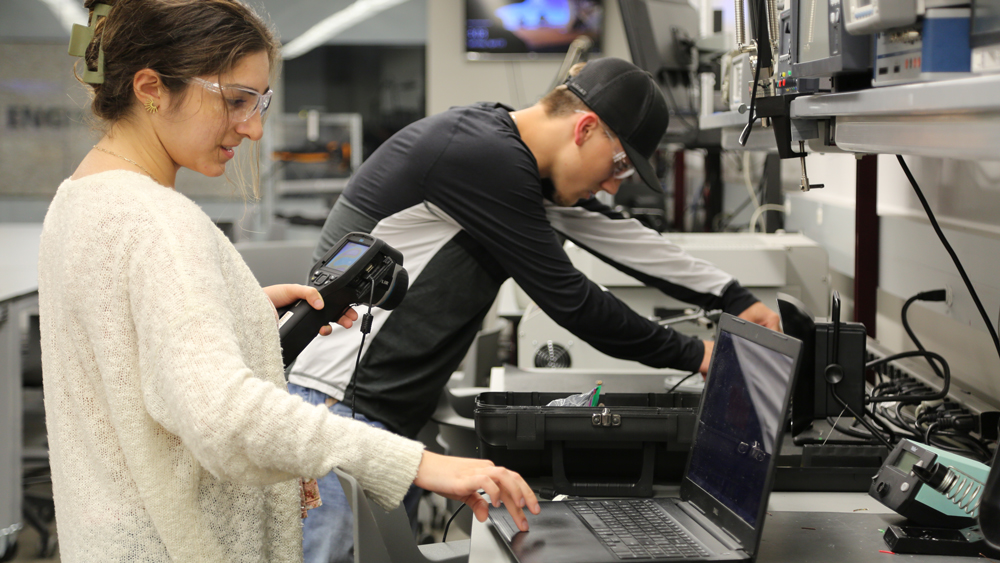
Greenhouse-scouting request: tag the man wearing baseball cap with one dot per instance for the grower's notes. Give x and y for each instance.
(481, 193)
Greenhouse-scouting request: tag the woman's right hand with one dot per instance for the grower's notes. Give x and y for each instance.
(460, 478)
(288, 293)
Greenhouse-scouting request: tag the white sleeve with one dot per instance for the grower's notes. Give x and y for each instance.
(647, 256)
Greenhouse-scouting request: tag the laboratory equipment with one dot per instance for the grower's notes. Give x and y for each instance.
(360, 269)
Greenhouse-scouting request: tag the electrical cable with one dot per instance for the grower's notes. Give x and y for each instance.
(753, 105)
(883, 424)
(936, 295)
(761, 186)
(906, 397)
(969, 443)
(849, 431)
(937, 440)
(951, 252)
(366, 327)
(759, 212)
(927, 435)
(685, 378)
(747, 181)
(872, 429)
(909, 426)
(444, 537)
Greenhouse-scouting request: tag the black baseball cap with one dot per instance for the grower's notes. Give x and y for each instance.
(629, 101)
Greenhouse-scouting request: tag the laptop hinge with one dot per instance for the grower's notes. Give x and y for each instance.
(718, 532)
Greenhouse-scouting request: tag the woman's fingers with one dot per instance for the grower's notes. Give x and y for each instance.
(463, 478)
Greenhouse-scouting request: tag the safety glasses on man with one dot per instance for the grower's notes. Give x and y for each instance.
(623, 168)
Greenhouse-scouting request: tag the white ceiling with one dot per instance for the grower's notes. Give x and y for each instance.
(405, 24)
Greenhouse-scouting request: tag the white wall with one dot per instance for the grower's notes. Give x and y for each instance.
(452, 80)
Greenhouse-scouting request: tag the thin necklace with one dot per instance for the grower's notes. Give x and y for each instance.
(129, 160)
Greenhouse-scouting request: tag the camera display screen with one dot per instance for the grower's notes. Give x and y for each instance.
(346, 257)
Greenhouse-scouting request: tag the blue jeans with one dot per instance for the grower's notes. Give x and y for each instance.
(328, 532)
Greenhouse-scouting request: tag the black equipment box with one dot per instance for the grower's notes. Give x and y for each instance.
(617, 448)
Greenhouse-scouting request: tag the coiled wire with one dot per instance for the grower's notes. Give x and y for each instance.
(961, 489)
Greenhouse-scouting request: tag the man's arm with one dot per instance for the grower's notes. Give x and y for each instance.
(644, 254)
(503, 212)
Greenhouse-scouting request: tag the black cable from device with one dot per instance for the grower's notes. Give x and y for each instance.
(936, 295)
(913, 398)
(885, 426)
(678, 384)
(753, 105)
(938, 441)
(970, 444)
(444, 537)
(366, 327)
(905, 424)
(930, 430)
(951, 252)
(868, 425)
(849, 431)
(895, 417)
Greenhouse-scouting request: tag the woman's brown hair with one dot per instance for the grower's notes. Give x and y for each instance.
(179, 39)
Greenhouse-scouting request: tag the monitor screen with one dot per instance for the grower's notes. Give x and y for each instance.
(740, 421)
(508, 29)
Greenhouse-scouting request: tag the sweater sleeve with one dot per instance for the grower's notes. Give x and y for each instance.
(197, 383)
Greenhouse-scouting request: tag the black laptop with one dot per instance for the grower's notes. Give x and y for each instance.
(720, 513)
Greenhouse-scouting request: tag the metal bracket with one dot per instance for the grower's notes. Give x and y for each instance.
(778, 108)
(605, 418)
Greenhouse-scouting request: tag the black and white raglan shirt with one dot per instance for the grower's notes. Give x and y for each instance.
(459, 195)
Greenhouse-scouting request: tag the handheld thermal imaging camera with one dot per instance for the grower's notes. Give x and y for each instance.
(358, 270)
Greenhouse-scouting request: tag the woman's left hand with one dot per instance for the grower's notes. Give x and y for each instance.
(288, 293)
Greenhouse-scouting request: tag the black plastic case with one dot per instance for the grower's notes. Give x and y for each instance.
(615, 449)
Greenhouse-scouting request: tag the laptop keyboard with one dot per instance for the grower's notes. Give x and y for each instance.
(637, 529)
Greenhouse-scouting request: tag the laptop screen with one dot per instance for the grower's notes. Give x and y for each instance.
(743, 406)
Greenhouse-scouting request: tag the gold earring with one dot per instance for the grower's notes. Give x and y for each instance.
(150, 106)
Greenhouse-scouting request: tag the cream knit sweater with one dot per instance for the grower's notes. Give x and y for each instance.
(171, 433)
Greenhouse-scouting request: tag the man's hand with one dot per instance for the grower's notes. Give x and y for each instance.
(460, 478)
(288, 293)
(709, 345)
(760, 314)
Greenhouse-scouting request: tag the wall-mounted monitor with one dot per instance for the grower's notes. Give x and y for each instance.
(529, 29)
